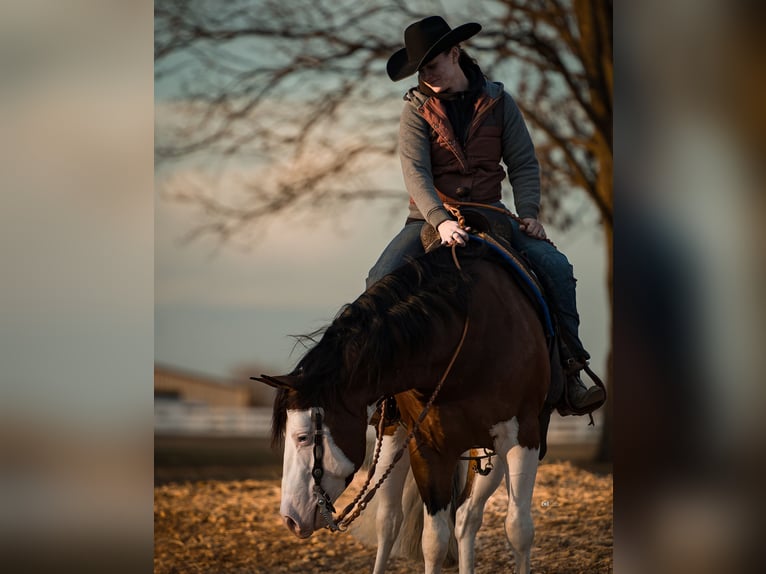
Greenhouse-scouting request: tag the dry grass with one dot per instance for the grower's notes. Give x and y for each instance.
(233, 527)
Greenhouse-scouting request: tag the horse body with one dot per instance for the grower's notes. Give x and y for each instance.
(502, 377)
(400, 338)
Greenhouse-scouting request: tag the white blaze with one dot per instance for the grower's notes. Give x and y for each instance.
(298, 498)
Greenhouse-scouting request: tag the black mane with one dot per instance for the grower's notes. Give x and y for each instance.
(385, 327)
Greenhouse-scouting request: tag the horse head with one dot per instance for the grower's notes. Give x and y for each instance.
(323, 448)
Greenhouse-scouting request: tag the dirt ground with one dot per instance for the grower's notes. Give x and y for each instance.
(233, 527)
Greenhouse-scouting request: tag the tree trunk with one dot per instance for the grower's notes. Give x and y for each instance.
(604, 452)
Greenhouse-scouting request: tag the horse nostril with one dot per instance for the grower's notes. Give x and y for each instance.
(290, 523)
(293, 526)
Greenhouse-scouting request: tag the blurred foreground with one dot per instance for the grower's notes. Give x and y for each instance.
(690, 439)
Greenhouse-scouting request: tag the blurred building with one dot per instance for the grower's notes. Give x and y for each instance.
(187, 404)
(173, 385)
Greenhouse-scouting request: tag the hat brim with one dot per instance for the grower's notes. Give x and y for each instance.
(399, 67)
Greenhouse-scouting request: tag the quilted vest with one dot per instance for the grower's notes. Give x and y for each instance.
(471, 172)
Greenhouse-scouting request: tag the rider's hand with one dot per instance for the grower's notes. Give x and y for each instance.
(451, 233)
(533, 228)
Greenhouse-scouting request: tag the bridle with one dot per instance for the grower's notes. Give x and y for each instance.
(323, 500)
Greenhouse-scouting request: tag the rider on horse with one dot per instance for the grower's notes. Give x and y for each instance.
(455, 129)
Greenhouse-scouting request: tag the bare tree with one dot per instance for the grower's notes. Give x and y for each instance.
(297, 92)
(297, 95)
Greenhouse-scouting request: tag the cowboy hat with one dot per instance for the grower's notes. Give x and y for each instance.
(423, 40)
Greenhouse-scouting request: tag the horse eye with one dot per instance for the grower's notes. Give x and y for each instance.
(302, 438)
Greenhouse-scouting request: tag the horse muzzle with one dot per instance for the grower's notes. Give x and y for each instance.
(301, 531)
(303, 527)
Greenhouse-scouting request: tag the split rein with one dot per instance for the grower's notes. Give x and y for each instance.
(357, 506)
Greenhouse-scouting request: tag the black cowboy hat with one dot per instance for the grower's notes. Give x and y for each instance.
(423, 40)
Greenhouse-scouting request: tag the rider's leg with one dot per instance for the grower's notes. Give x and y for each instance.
(404, 246)
(557, 278)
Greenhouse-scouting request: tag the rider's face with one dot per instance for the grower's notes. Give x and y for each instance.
(442, 73)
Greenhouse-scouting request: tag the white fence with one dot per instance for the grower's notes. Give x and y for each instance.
(174, 418)
(575, 430)
(189, 419)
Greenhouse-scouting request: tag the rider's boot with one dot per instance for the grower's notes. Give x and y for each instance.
(581, 399)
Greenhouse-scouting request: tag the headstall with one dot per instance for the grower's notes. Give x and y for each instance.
(323, 500)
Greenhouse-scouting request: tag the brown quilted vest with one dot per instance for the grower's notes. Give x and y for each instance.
(471, 172)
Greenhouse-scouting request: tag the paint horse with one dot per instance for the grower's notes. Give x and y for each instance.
(468, 333)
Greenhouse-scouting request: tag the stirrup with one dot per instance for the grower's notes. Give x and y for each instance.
(572, 368)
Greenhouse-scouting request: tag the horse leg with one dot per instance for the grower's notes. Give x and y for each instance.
(434, 478)
(388, 519)
(436, 534)
(522, 469)
(469, 516)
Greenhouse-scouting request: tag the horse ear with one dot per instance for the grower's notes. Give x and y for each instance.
(280, 382)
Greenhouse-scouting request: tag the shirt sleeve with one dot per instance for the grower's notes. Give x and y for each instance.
(521, 161)
(415, 156)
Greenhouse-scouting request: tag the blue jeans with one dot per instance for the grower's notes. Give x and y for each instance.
(404, 246)
(553, 270)
(556, 275)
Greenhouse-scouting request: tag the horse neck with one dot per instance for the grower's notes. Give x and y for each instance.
(348, 421)
(422, 373)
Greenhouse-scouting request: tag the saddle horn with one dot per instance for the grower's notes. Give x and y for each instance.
(280, 382)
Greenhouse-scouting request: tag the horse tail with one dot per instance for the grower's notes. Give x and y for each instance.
(407, 544)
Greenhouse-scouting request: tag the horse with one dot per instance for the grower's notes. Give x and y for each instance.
(452, 337)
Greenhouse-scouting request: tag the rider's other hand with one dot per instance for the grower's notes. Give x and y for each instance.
(533, 228)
